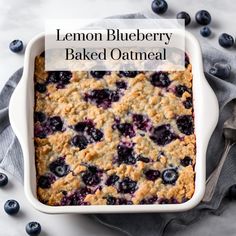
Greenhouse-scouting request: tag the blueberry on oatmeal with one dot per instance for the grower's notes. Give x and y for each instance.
(59, 167)
(169, 176)
(126, 129)
(55, 123)
(185, 124)
(112, 179)
(152, 174)
(125, 155)
(39, 116)
(41, 88)
(90, 177)
(180, 89)
(163, 135)
(60, 77)
(83, 126)
(160, 79)
(45, 181)
(127, 186)
(79, 141)
(129, 74)
(186, 161)
(95, 134)
(111, 200)
(97, 74)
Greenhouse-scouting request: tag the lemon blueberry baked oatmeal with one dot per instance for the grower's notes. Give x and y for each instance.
(114, 138)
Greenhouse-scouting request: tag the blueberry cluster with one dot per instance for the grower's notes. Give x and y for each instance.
(86, 134)
(202, 17)
(12, 207)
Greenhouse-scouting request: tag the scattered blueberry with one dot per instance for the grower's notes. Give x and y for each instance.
(143, 159)
(152, 174)
(60, 77)
(111, 200)
(33, 228)
(221, 70)
(180, 89)
(127, 185)
(163, 135)
(169, 176)
(185, 124)
(39, 116)
(203, 17)
(55, 123)
(130, 74)
(41, 88)
(76, 198)
(3, 179)
(59, 167)
(123, 201)
(186, 161)
(160, 79)
(102, 97)
(95, 134)
(185, 16)
(97, 74)
(226, 40)
(163, 201)
(11, 207)
(83, 126)
(45, 181)
(125, 155)
(90, 177)
(188, 103)
(121, 84)
(159, 6)
(16, 45)
(205, 31)
(112, 179)
(79, 141)
(140, 121)
(232, 192)
(126, 129)
(150, 200)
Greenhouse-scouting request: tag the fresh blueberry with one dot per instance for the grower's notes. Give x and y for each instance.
(150, 200)
(90, 177)
(45, 181)
(126, 129)
(203, 17)
(143, 159)
(16, 45)
(205, 31)
(221, 70)
(121, 84)
(11, 207)
(129, 74)
(3, 179)
(95, 134)
(185, 16)
(226, 40)
(39, 116)
(180, 89)
(159, 6)
(60, 77)
(76, 198)
(41, 88)
(160, 79)
(140, 121)
(97, 74)
(186, 161)
(188, 103)
(127, 186)
(83, 126)
(102, 97)
(79, 141)
(55, 123)
(169, 176)
(59, 167)
(163, 135)
(232, 192)
(33, 228)
(111, 200)
(112, 179)
(152, 174)
(185, 124)
(125, 155)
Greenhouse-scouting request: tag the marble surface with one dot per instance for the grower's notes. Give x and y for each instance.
(25, 18)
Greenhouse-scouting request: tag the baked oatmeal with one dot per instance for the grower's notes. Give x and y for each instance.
(114, 138)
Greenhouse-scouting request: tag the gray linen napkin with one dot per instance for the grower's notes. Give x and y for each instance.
(147, 224)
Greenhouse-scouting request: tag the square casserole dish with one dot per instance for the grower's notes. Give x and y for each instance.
(21, 111)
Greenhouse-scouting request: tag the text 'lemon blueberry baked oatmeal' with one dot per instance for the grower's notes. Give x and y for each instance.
(114, 138)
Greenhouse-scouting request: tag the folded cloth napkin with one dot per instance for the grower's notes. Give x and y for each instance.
(148, 224)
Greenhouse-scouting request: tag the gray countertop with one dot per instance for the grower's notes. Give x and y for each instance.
(23, 19)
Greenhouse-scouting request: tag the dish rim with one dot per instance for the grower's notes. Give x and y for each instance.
(20, 105)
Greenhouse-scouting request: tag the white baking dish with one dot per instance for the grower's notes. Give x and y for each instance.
(21, 118)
